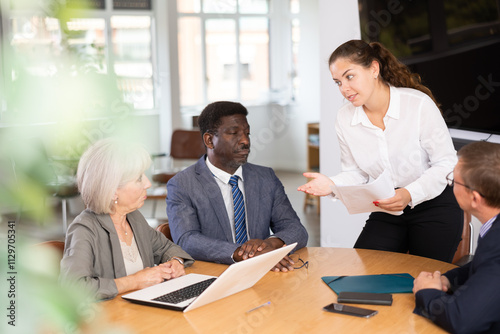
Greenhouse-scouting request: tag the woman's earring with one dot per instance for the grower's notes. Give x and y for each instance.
(116, 201)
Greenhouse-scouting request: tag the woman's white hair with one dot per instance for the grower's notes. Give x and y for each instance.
(107, 165)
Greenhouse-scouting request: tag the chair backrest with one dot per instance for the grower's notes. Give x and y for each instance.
(187, 144)
(165, 229)
(464, 246)
(54, 245)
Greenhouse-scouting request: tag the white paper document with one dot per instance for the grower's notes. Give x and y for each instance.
(360, 198)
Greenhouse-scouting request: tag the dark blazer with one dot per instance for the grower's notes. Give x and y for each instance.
(474, 306)
(199, 221)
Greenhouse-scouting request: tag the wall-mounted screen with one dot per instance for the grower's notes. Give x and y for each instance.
(454, 45)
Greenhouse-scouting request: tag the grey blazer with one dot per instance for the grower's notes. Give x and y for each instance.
(93, 256)
(199, 221)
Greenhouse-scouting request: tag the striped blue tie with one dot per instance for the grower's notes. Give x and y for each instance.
(239, 212)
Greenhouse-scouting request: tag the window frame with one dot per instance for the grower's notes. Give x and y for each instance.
(3, 107)
(106, 14)
(279, 52)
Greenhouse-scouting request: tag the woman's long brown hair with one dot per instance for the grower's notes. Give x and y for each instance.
(392, 71)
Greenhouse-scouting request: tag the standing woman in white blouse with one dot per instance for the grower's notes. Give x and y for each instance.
(110, 248)
(392, 123)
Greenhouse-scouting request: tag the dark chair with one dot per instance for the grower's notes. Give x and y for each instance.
(165, 229)
(54, 245)
(463, 255)
(186, 146)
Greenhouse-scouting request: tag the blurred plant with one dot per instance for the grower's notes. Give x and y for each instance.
(61, 85)
(40, 303)
(59, 100)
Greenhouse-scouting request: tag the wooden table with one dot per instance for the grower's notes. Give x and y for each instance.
(297, 299)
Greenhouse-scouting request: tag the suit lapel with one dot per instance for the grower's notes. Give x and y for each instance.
(212, 192)
(116, 252)
(133, 220)
(252, 200)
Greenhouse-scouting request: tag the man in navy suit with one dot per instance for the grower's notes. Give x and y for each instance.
(467, 299)
(200, 205)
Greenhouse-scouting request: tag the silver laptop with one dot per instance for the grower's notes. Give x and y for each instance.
(191, 291)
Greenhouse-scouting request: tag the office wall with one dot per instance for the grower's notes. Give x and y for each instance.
(338, 23)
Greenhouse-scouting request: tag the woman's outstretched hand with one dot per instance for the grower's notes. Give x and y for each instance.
(318, 186)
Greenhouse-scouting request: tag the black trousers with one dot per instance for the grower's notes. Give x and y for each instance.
(431, 229)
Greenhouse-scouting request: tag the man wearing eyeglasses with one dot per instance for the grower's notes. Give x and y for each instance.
(467, 299)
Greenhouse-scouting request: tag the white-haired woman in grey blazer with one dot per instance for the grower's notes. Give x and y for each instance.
(110, 248)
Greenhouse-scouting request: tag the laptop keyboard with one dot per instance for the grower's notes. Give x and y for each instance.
(191, 291)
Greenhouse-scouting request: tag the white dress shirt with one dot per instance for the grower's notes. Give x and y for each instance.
(486, 226)
(222, 178)
(415, 147)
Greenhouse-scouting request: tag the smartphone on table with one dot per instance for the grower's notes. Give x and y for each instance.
(350, 310)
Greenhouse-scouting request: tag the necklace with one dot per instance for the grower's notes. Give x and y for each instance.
(120, 224)
(123, 230)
